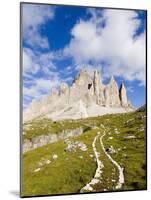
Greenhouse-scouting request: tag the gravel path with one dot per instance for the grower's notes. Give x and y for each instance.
(96, 179)
(120, 169)
(98, 172)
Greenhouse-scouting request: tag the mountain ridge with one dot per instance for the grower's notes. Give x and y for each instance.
(87, 96)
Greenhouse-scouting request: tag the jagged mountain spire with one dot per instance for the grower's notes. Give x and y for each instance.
(96, 82)
(112, 79)
(112, 93)
(95, 98)
(123, 95)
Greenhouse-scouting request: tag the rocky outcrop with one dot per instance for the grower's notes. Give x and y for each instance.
(87, 96)
(50, 138)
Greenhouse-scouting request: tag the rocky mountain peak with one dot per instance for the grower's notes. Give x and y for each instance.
(82, 78)
(123, 86)
(123, 95)
(63, 88)
(112, 93)
(94, 97)
(112, 80)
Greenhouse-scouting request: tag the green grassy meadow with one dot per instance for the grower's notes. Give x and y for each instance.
(71, 171)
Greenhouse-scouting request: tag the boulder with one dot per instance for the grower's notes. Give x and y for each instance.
(54, 156)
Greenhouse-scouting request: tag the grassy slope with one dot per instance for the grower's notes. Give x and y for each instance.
(69, 173)
(47, 126)
(132, 151)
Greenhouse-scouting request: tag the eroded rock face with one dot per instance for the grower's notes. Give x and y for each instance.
(98, 88)
(123, 96)
(112, 94)
(54, 92)
(64, 88)
(81, 86)
(50, 138)
(81, 99)
(97, 83)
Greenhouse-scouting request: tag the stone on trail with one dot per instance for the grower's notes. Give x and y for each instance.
(87, 188)
(37, 170)
(54, 156)
(94, 181)
(111, 150)
(48, 162)
(40, 164)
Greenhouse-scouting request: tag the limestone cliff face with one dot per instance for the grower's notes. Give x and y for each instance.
(81, 88)
(112, 94)
(96, 82)
(64, 89)
(123, 96)
(87, 96)
(98, 88)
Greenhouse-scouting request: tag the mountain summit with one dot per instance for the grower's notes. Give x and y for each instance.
(86, 97)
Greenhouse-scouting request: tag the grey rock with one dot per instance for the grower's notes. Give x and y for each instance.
(50, 138)
(54, 156)
(86, 97)
(123, 96)
(112, 94)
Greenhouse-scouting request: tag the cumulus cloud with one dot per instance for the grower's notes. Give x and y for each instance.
(40, 86)
(39, 74)
(39, 69)
(34, 62)
(110, 37)
(33, 17)
(30, 66)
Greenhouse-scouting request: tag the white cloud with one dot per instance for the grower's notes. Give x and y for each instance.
(39, 70)
(39, 87)
(33, 17)
(48, 77)
(30, 66)
(130, 89)
(27, 61)
(34, 39)
(34, 62)
(113, 43)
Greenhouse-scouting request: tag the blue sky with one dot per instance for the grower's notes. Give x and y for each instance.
(60, 40)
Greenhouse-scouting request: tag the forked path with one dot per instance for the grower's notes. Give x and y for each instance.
(109, 174)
